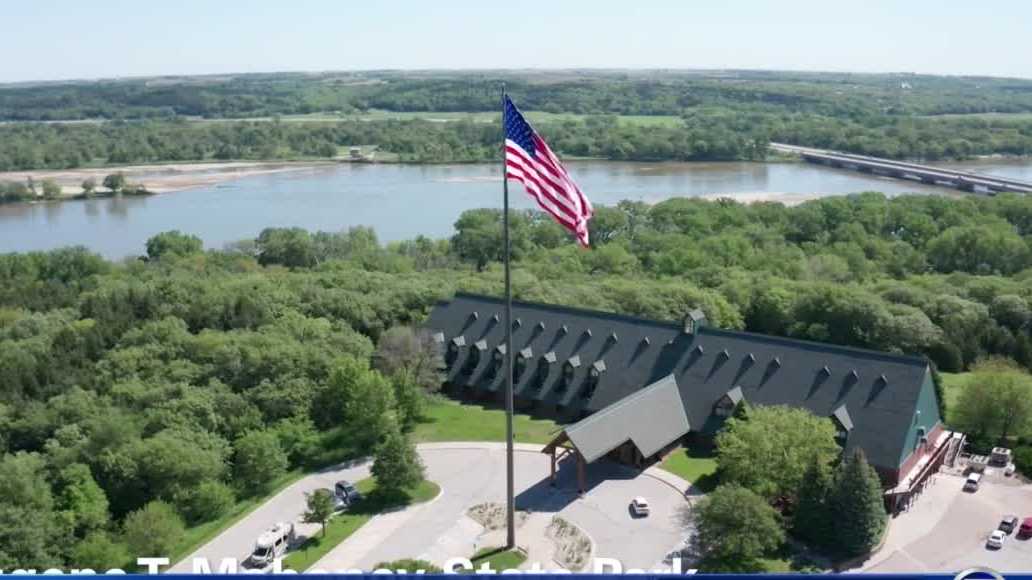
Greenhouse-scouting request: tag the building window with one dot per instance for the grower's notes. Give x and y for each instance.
(471, 361)
(541, 374)
(497, 362)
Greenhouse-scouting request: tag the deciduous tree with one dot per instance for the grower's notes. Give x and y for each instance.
(736, 528)
(769, 452)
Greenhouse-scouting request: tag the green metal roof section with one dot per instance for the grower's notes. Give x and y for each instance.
(651, 419)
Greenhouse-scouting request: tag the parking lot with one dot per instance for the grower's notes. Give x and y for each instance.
(472, 473)
(946, 528)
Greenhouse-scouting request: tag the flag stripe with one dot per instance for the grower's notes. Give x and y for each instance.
(529, 160)
(546, 203)
(547, 173)
(555, 193)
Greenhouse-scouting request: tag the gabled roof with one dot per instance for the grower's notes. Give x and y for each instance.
(651, 419)
(879, 389)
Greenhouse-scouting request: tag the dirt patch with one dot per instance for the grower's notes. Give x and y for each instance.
(572, 545)
(492, 515)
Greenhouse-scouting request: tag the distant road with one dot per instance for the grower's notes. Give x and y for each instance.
(930, 174)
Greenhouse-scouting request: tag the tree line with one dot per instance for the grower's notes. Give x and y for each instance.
(713, 135)
(712, 117)
(840, 95)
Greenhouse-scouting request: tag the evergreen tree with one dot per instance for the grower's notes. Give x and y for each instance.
(741, 411)
(857, 503)
(410, 398)
(940, 392)
(812, 519)
(396, 465)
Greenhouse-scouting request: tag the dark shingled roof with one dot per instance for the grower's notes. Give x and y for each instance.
(879, 389)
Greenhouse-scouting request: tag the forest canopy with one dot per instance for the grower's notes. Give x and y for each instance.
(146, 395)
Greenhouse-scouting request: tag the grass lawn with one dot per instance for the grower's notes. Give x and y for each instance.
(448, 420)
(695, 465)
(343, 525)
(952, 383)
(499, 559)
(201, 534)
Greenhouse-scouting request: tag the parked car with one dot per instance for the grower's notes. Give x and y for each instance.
(996, 539)
(973, 479)
(346, 491)
(1025, 531)
(1008, 524)
(640, 506)
(271, 544)
(1009, 470)
(339, 504)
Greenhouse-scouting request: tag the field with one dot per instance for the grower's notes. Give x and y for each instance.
(450, 421)
(1006, 117)
(952, 384)
(451, 116)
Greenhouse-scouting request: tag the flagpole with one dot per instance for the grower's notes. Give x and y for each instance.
(510, 499)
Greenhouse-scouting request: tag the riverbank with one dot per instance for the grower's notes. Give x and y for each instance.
(163, 178)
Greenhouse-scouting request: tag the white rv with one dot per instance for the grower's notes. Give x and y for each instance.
(272, 544)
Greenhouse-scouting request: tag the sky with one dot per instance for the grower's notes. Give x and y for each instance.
(77, 39)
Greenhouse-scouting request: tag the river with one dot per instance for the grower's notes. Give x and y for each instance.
(402, 201)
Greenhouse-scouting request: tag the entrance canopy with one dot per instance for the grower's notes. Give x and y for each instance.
(650, 419)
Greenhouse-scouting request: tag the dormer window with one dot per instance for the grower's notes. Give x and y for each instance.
(453, 350)
(475, 353)
(543, 368)
(569, 369)
(693, 321)
(497, 361)
(725, 405)
(843, 425)
(594, 374)
(520, 364)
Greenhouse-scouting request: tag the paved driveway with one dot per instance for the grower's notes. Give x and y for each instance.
(947, 528)
(286, 506)
(472, 473)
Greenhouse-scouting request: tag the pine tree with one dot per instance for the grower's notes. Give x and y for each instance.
(857, 506)
(396, 465)
(741, 411)
(812, 519)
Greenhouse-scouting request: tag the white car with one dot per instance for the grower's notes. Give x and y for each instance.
(1009, 470)
(640, 506)
(996, 539)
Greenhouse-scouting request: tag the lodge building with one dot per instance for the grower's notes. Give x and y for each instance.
(632, 389)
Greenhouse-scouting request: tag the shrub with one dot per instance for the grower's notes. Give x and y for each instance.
(1023, 460)
(207, 502)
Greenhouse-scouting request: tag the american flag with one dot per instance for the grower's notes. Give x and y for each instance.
(529, 161)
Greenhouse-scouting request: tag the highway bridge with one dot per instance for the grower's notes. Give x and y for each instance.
(964, 180)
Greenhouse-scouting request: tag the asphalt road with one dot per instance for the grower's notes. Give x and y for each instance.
(472, 473)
